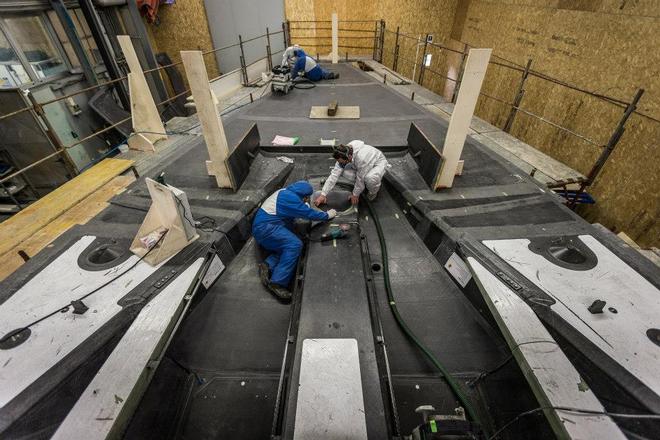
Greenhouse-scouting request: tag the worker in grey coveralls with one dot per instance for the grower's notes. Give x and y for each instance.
(359, 163)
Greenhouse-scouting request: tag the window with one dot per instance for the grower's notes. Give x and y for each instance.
(64, 39)
(85, 36)
(32, 38)
(12, 73)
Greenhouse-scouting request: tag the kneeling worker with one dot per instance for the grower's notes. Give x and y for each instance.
(273, 230)
(309, 67)
(357, 162)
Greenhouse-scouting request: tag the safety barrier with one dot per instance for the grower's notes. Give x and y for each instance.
(60, 149)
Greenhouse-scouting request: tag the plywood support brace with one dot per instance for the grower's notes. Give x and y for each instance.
(212, 128)
(461, 117)
(147, 126)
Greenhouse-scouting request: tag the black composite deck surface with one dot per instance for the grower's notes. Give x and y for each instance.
(220, 375)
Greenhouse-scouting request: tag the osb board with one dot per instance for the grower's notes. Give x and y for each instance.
(79, 214)
(319, 40)
(613, 50)
(26, 222)
(417, 18)
(183, 26)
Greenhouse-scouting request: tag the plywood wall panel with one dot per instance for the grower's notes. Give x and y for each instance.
(607, 46)
(610, 47)
(183, 26)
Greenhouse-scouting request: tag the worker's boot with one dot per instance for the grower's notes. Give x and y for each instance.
(264, 274)
(280, 292)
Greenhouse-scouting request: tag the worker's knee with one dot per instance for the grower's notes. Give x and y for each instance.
(294, 245)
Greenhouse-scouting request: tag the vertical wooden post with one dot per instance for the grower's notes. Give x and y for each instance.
(214, 132)
(335, 38)
(420, 81)
(147, 126)
(518, 98)
(460, 74)
(461, 117)
(395, 61)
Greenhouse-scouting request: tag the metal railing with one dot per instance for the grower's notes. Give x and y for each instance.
(515, 105)
(308, 32)
(60, 150)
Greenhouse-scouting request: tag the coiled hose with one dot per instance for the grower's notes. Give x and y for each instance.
(455, 387)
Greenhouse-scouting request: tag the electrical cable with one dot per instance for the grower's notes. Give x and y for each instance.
(573, 410)
(508, 359)
(455, 387)
(66, 307)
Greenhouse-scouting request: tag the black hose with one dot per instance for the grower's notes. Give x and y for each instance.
(300, 81)
(455, 387)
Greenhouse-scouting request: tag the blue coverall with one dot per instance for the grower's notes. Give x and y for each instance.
(273, 224)
(313, 71)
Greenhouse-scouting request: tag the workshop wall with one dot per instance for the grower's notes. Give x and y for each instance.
(606, 46)
(321, 10)
(183, 26)
(610, 47)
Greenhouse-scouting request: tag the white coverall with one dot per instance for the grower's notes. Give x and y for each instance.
(367, 169)
(288, 54)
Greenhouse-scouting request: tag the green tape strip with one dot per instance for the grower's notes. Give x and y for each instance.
(434, 428)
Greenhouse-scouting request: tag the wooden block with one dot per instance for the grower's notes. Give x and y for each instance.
(25, 223)
(459, 167)
(140, 142)
(461, 117)
(332, 108)
(79, 214)
(214, 132)
(343, 112)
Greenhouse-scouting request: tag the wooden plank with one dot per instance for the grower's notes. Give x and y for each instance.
(79, 214)
(553, 379)
(335, 38)
(25, 223)
(145, 117)
(537, 159)
(214, 132)
(461, 117)
(109, 400)
(343, 112)
(621, 334)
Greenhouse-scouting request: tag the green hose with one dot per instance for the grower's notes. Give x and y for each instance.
(455, 387)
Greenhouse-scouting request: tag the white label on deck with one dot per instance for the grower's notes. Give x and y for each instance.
(215, 269)
(330, 404)
(458, 269)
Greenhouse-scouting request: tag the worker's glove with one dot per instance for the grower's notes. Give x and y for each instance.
(332, 213)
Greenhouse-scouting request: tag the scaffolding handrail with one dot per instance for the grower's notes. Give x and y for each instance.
(520, 68)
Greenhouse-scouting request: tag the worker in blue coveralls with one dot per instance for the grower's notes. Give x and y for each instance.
(273, 230)
(306, 65)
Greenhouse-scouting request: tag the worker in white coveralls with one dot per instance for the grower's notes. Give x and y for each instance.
(359, 163)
